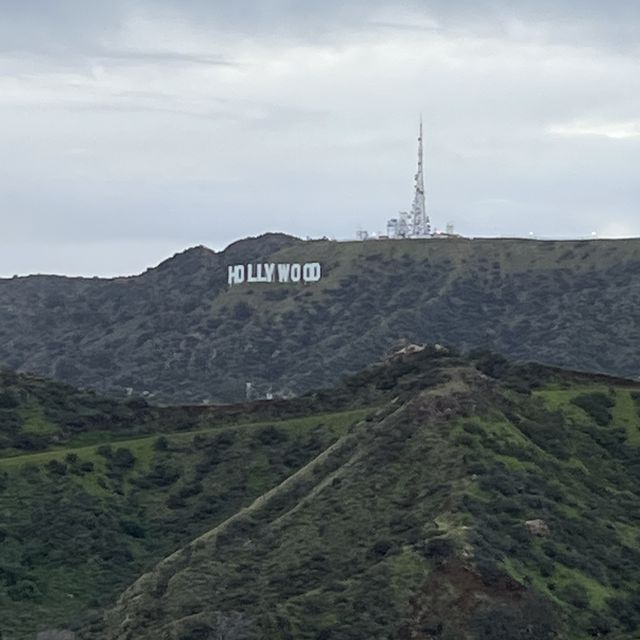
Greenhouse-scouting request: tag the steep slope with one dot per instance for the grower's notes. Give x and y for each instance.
(178, 334)
(481, 500)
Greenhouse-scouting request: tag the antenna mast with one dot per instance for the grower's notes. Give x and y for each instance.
(420, 219)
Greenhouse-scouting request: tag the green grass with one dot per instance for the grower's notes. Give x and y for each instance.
(559, 399)
(35, 420)
(142, 445)
(625, 414)
(528, 573)
(629, 535)
(408, 568)
(512, 463)
(94, 438)
(597, 592)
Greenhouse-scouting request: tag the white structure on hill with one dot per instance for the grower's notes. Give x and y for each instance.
(414, 223)
(418, 222)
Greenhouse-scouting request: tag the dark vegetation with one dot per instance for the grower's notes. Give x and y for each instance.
(597, 405)
(177, 334)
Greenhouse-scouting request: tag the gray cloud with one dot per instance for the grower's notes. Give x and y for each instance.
(71, 25)
(144, 127)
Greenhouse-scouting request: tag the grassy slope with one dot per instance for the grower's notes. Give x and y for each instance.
(582, 478)
(413, 527)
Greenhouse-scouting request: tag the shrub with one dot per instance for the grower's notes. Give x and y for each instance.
(161, 444)
(122, 459)
(56, 467)
(575, 594)
(132, 529)
(25, 590)
(270, 435)
(105, 451)
(190, 490)
(626, 610)
(175, 501)
(381, 547)
(438, 548)
(162, 475)
(493, 365)
(597, 405)
(30, 441)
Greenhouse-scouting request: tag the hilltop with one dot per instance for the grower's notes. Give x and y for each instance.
(431, 495)
(177, 333)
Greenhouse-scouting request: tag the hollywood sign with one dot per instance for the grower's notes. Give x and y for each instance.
(271, 272)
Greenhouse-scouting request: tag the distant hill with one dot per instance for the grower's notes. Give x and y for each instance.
(177, 333)
(429, 496)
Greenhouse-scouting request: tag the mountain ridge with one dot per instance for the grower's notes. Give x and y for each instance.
(179, 328)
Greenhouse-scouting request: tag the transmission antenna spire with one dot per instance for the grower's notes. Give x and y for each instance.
(419, 217)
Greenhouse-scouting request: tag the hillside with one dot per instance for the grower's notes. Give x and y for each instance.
(177, 333)
(93, 491)
(429, 496)
(414, 523)
(38, 415)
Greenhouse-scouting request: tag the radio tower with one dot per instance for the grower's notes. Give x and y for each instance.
(419, 217)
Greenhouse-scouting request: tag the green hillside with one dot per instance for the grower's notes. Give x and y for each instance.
(395, 507)
(413, 524)
(177, 333)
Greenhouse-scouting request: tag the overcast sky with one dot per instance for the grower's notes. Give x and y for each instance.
(130, 130)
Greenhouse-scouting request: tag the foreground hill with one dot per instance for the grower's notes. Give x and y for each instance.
(469, 506)
(430, 496)
(178, 334)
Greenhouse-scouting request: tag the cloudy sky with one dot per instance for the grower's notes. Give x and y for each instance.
(131, 129)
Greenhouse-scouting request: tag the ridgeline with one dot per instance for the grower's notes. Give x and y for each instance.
(178, 333)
